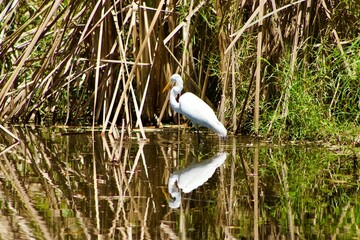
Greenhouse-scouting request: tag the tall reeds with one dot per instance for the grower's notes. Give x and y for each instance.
(101, 62)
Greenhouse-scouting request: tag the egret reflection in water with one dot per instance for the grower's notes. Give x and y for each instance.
(192, 177)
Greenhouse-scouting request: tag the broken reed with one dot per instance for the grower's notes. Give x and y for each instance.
(97, 63)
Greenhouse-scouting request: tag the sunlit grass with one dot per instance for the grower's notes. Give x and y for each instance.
(322, 102)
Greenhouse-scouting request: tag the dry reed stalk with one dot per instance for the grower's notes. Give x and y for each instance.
(233, 90)
(165, 104)
(106, 147)
(9, 148)
(9, 133)
(258, 68)
(103, 82)
(110, 76)
(68, 93)
(137, 110)
(182, 24)
(97, 67)
(186, 36)
(151, 82)
(309, 6)
(224, 59)
(205, 83)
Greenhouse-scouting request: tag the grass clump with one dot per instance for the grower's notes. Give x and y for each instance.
(320, 101)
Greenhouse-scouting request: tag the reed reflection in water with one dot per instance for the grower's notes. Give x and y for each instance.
(65, 183)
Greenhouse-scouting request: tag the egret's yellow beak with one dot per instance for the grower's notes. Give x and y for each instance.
(167, 86)
(166, 194)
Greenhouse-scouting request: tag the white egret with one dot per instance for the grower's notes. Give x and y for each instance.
(192, 107)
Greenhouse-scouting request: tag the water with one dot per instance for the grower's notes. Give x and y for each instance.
(64, 183)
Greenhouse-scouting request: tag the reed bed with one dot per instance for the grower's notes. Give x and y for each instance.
(96, 63)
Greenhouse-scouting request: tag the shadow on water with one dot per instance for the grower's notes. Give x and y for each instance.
(60, 184)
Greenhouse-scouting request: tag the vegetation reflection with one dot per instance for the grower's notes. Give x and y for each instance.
(67, 183)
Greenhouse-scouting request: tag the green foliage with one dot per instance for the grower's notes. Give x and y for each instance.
(323, 96)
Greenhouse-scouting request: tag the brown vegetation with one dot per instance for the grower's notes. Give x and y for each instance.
(76, 62)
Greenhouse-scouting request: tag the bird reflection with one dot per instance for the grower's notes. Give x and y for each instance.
(192, 177)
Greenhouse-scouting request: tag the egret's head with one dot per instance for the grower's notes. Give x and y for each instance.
(174, 80)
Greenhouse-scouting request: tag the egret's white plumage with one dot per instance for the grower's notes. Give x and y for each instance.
(195, 109)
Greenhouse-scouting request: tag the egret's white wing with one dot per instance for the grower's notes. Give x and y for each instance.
(200, 113)
(196, 109)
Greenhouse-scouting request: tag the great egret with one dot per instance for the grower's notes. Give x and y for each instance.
(192, 107)
(192, 177)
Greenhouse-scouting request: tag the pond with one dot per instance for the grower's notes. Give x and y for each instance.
(68, 183)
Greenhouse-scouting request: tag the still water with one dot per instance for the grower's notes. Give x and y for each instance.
(63, 183)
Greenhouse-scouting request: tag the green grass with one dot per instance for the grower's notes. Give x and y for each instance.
(323, 97)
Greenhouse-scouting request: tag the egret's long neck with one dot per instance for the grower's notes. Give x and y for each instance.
(172, 183)
(175, 91)
(174, 191)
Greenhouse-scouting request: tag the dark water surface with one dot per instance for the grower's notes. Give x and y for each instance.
(62, 184)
